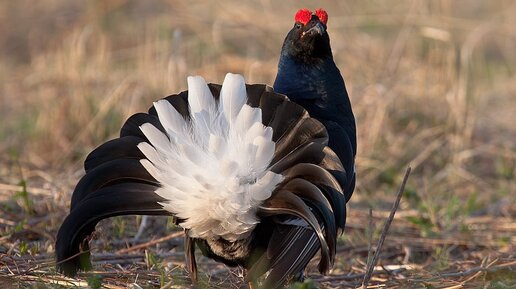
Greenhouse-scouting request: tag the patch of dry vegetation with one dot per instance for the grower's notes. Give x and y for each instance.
(432, 83)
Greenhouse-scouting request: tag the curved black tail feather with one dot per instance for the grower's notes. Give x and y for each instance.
(115, 200)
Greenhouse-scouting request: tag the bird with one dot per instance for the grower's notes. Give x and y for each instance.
(256, 176)
(319, 87)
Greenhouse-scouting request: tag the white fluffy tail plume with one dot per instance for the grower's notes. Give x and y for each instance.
(213, 167)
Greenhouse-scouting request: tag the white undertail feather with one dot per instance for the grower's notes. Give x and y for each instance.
(213, 169)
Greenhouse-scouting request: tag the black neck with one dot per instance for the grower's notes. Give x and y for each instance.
(319, 88)
(319, 81)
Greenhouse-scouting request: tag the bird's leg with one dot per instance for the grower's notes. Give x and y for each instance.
(191, 264)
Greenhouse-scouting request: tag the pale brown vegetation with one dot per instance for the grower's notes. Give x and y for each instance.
(432, 83)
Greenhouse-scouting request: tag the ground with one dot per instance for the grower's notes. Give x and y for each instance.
(432, 84)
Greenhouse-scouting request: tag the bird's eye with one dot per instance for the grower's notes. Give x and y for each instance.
(298, 26)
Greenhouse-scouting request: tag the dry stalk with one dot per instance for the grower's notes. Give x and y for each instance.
(150, 243)
(370, 237)
(372, 264)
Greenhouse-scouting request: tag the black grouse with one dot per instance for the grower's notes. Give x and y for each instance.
(254, 179)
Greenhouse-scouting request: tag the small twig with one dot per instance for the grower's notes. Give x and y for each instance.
(71, 257)
(491, 268)
(141, 228)
(31, 190)
(370, 237)
(372, 264)
(351, 277)
(112, 257)
(150, 243)
(478, 269)
(454, 286)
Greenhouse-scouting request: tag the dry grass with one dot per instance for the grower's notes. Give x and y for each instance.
(432, 83)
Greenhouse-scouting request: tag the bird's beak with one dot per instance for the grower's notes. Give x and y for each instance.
(316, 29)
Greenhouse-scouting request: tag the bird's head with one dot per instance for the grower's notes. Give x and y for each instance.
(308, 39)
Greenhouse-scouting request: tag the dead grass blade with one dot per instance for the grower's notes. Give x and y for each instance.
(150, 243)
(372, 264)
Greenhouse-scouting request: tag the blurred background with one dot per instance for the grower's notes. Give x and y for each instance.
(432, 83)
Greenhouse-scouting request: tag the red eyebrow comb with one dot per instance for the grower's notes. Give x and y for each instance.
(322, 15)
(303, 16)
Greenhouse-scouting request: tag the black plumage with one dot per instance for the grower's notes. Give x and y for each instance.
(314, 152)
(308, 75)
(117, 184)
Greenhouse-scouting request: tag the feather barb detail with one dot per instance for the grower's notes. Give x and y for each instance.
(213, 168)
